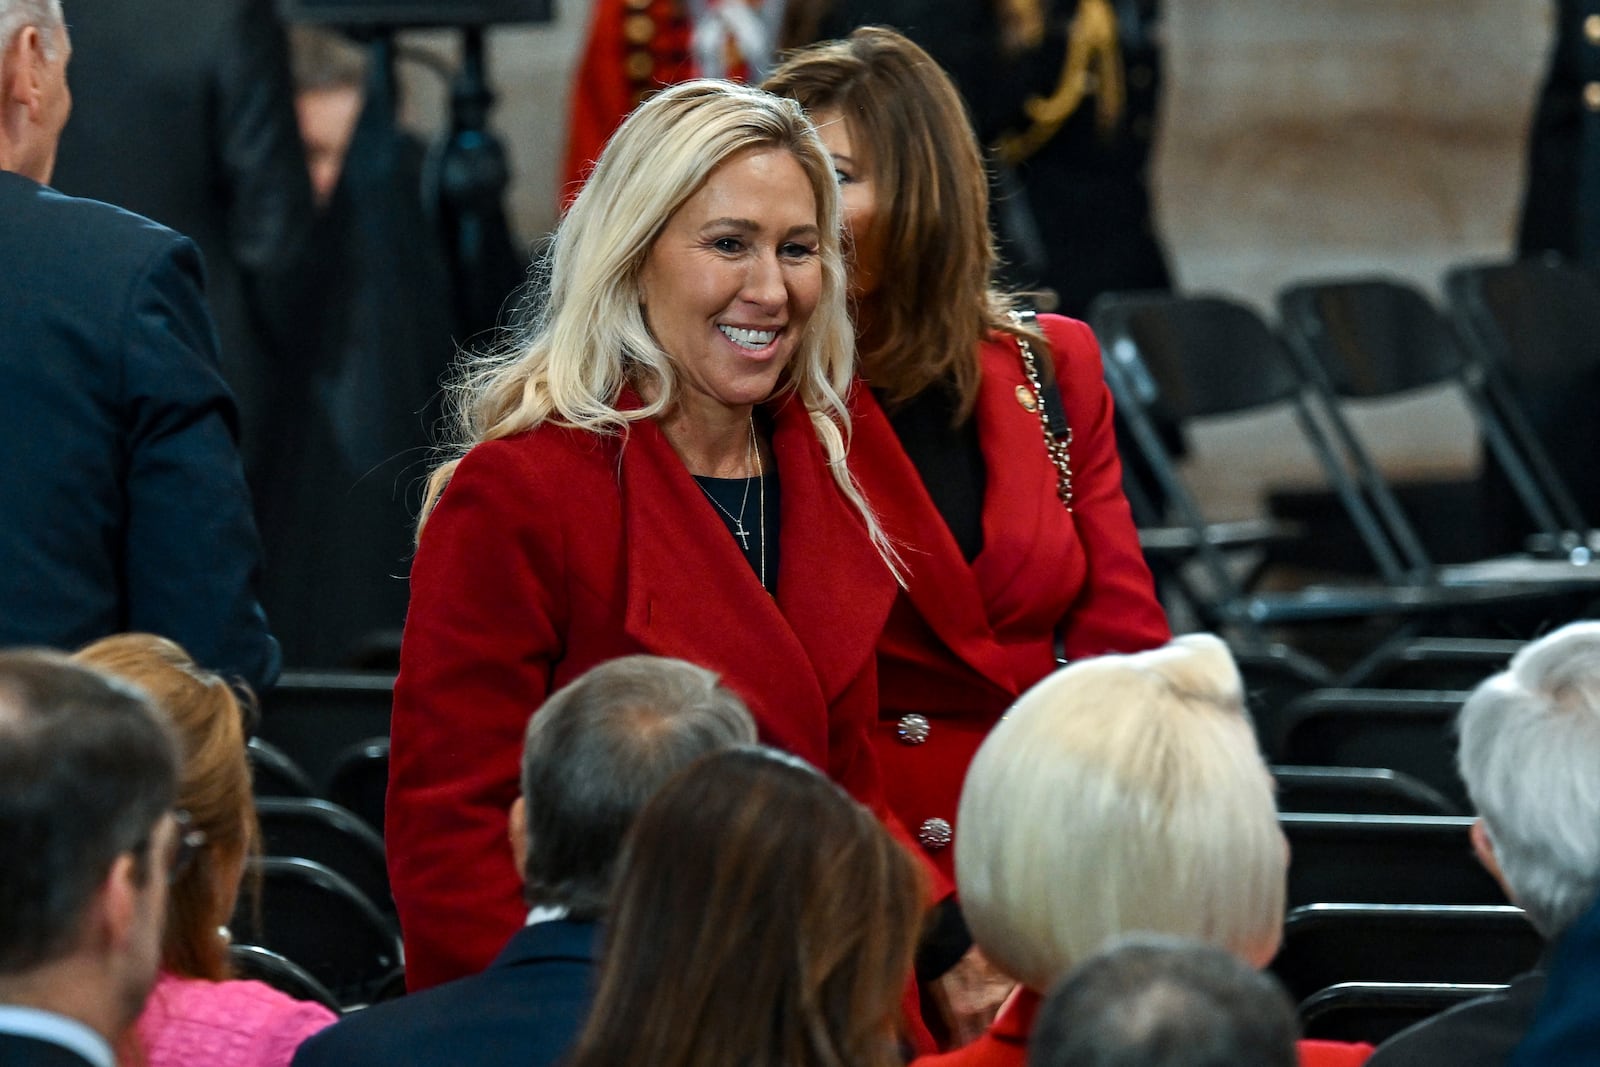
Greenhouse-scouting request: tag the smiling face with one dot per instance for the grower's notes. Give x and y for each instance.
(858, 194)
(730, 284)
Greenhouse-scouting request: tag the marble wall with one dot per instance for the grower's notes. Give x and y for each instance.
(1299, 139)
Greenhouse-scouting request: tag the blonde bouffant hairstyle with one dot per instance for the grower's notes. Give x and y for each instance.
(1122, 794)
(583, 335)
(214, 788)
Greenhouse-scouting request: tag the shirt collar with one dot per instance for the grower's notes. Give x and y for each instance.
(547, 913)
(69, 1033)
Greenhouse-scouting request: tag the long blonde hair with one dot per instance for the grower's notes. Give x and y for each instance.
(584, 335)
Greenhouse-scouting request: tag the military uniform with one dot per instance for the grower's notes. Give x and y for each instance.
(1561, 208)
(1072, 204)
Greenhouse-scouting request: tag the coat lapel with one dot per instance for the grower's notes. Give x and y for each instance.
(833, 587)
(1019, 468)
(941, 584)
(691, 594)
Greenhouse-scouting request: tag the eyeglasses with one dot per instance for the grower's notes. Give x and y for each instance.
(189, 840)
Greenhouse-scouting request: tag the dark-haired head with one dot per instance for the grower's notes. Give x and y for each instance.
(931, 248)
(87, 771)
(1153, 1001)
(595, 752)
(762, 919)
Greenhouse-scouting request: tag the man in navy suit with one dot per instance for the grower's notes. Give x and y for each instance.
(594, 753)
(122, 500)
(88, 776)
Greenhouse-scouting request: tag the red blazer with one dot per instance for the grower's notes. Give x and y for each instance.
(557, 549)
(965, 640)
(1005, 1044)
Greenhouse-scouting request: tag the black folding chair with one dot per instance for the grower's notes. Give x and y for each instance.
(279, 972)
(1356, 791)
(311, 829)
(314, 715)
(1437, 663)
(1406, 730)
(1384, 859)
(1274, 675)
(1376, 338)
(1192, 358)
(1536, 323)
(1326, 944)
(319, 920)
(274, 774)
(1375, 1011)
(359, 780)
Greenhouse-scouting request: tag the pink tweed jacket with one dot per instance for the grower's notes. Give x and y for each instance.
(224, 1024)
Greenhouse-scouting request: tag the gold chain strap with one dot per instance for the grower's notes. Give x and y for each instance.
(1056, 446)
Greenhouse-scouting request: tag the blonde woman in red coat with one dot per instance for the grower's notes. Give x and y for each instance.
(657, 465)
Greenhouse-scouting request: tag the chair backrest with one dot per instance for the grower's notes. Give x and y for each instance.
(359, 780)
(1194, 356)
(316, 918)
(1273, 676)
(1538, 318)
(325, 833)
(1435, 663)
(1378, 337)
(1177, 357)
(1325, 944)
(1356, 791)
(279, 972)
(1407, 730)
(1375, 1011)
(1536, 325)
(1370, 337)
(314, 715)
(274, 773)
(1384, 859)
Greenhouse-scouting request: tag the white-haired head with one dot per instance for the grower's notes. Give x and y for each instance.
(1122, 794)
(1530, 757)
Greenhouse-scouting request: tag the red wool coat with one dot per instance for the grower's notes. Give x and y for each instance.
(558, 549)
(965, 640)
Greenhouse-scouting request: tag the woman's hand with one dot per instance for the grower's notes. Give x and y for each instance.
(969, 994)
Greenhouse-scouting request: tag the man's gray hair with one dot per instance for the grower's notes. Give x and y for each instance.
(1530, 757)
(1151, 1001)
(597, 750)
(43, 15)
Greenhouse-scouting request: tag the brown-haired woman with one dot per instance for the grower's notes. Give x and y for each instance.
(1019, 542)
(762, 919)
(196, 1013)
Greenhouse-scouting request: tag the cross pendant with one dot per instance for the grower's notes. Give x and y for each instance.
(741, 533)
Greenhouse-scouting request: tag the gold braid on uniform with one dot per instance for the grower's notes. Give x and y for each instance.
(1093, 64)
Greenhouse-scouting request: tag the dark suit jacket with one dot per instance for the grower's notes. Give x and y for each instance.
(526, 1009)
(1566, 1029)
(183, 112)
(122, 501)
(1561, 204)
(18, 1051)
(555, 550)
(1479, 1033)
